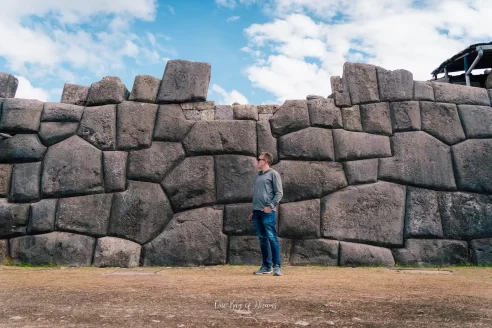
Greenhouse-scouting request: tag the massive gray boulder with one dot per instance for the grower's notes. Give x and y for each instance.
(135, 125)
(98, 126)
(8, 86)
(266, 141)
(199, 236)
(481, 251)
(472, 160)
(54, 248)
(184, 81)
(221, 137)
(405, 116)
(299, 220)
(74, 94)
(351, 118)
(419, 159)
(72, 167)
(423, 219)
(324, 114)
(140, 213)
(308, 144)
(423, 91)
(110, 90)
(316, 179)
(171, 124)
(236, 219)
(56, 112)
(459, 94)
(477, 120)
(352, 254)
(51, 133)
(367, 213)
(21, 148)
(363, 171)
(314, 252)
(246, 250)
(432, 252)
(20, 115)
(145, 88)
(42, 216)
(235, 177)
(5, 176)
(25, 183)
(87, 214)
(13, 219)
(116, 252)
(359, 145)
(375, 118)
(191, 183)
(442, 121)
(395, 85)
(115, 170)
(361, 81)
(292, 116)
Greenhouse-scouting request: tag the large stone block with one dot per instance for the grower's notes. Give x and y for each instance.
(351, 118)
(422, 214)
(171, 124)
(115, 170)
(152, 164)
(245, 250)
(13, 219)
(98, 126)
(323, 113)
(145, 88)
(221, 137)
(292, 116)
(342, 99)
(405, 116)
(140, 213)
(266, 141)
(199, 236)
(365, 255)
(235, 178)
(74, 94)
(116, 252)
(110, 90)
(442, 121)
(72, 167)
(477, 120)
(245, 112)
(465, 216)
(308, 144)
(21, 148)
(472, 160)
(236, 220)
(419, 159)
(223, 112)
(25, 182)
(135, 125)
(51, 133)
(395, 85)
(20, 115)
(423, 91)
(4, 250)
(87, 214)
(54, 248)
(191, 183)
(184, 81)
(358, 145)
(8, 86)
(300, 220)
(308, 180)
(460, 94)
(481, 251)
(42, 216)
(367, 213)
(363, 171)
(376, 118)
(314, 252)
(432, 252)
(361, 81)
(5, 177)
(56, 112)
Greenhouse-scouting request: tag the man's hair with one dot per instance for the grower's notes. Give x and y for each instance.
(268, 157)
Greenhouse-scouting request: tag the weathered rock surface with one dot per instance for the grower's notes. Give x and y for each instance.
(25, 183)
(199, 236)
(21, 148)
(316, 179)
(323, 113)
(236, 220)
(245, 112)
(8, 86)
(266, 141)
(365, 255)
(367, 213)
(459, 94)
(5, 177)
(351, 118)
(4, 250)
(87, 214)
(375, 118)
(361, 81)
(481, 251)
(307, 144)
(115, 170)
(336, 84)
(171, 124)
(314, 252)
(342, 99)
(51, 133)
(116, 252)
(235, 178)
(140, 213)
(423, 90)
(184, 81)
(42, 216)
(221, 137)
(442, 121)
(191, 183)
(110, 90)
(223, 112)
(395, 85)
(55, 112)
(300, 220)
(135, 125)
(54, 248)
(98, 126)
(405, 116)
(20, 115)
(292, 116)
(74, 94)
(432, 252)
(422, 214)
(359, 145)
(145, 88)
(472, 160)
(13, 218)
(477, 120)
(419, 159)
(72, 167)
(246, 250)
(363, 171)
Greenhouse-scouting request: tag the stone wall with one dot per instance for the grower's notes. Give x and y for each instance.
(385, 171)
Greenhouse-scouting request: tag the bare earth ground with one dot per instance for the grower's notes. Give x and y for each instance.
(219, 297)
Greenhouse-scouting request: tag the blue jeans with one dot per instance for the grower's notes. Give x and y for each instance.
(265, 226)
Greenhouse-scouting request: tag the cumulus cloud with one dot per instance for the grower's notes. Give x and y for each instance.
(228, 98)
(233, 19)
(27, 91)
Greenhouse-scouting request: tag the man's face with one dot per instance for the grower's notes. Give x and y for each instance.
(260, 162)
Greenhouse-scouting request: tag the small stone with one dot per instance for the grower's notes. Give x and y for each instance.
(292, 116)
(52, 133)
(307, 144)
(405, 116)
(135, 125)
(74, 94)
(115, 170)
(312, 97)
(25, 183)
(363, 171)
(267, 109)
(245, 112)
(360, 80)
(8, 85)
(145, 89)
(199, 106)
(376, 118)
(110, 90)
(5, 176)
(323, 113)
(300, 220)
(98, 126)
(199, 115)
(171, 124)
(223, 112)
(21, 148)
(365, 255)
(20, 115)
(55, 112)
(336, 84)
(42, 216)
(442, 121)
(395, 85)
(342, 99)
(116, 252)
(315, 252)
(352, 119)
(423, 91)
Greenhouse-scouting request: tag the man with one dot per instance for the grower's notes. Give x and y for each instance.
(267, 195)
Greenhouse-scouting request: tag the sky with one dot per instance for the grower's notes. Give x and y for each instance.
(261, 51)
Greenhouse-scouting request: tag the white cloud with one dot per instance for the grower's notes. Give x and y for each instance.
(233, 19)
(171, 9)
(231, 4)
(228, 98)
(27, 91)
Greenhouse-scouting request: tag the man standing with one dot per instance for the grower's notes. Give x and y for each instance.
(267, 195)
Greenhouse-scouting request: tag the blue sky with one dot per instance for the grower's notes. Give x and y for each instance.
(261, 51)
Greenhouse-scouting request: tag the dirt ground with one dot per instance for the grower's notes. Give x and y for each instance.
(230, 296)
